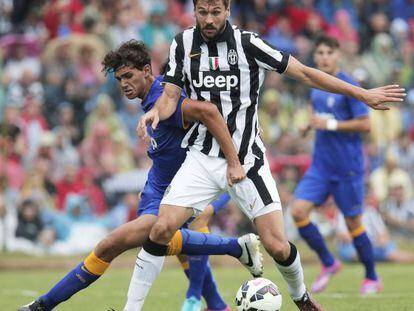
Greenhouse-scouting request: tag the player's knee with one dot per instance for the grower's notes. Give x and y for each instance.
(107, 249)
(162, 232)
(278, 249)
(298, 212)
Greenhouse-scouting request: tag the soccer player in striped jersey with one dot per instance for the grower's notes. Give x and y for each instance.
(131, 65)
(220, 63)
(337, 169)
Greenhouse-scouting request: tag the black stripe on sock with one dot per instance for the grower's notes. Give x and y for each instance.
(291, 258)
(155, 248)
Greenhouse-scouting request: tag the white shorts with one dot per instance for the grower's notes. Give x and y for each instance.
(202, 178)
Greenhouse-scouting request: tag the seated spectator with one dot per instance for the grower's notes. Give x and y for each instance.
(382, 178)
(29, 222)
(91, 191)
(68, 184)
(103, 113)
(384, 248)
(343, 30)
(66, 127)
(398, 209)
(31, 232)
(77, 230)
(156, 29)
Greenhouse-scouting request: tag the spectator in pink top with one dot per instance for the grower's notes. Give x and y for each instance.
(343, 30)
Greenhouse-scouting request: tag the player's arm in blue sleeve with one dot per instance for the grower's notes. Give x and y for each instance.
(220, 202)
(177, 119)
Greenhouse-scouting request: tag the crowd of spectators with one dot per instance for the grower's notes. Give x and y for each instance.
(71, 165)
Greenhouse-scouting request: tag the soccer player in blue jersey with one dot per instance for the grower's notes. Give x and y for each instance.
(131, 65)
(337, 169)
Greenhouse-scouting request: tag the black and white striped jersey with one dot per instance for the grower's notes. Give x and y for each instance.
(229, 73)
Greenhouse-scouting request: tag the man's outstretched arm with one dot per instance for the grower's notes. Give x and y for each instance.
(375, 98)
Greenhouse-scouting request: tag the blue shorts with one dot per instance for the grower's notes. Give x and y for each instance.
(347, 252)
(150, 201)
(348, 193)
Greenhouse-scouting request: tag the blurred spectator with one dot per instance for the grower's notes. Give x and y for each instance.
(129, 116)
(402, 9)
(281, 35)
(328, 9)
(66, 127)
(398, 208)
(125, 28)
(76, 230)
(157, 29)
(343, 30)
(379, 61)
(68, 184)
(403, 148)
(34, 125)
(92, 192)
(103, 113)
(19, 61)
(383, 178)
(384, 248)
(377, 23)
(29, 222)
(12, 148)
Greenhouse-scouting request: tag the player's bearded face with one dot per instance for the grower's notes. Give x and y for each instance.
(211, 17)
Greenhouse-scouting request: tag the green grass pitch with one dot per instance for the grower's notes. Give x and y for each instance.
(21, 286)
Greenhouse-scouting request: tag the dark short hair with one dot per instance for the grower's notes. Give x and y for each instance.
(225, 2)
(132, 53)
(328, 41)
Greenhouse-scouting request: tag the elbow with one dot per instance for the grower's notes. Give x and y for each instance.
(208, 113)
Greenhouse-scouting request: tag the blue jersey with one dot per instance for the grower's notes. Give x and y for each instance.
(337, 154)
(165, 150)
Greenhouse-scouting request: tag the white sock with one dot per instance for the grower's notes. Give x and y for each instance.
(293, 276)
(147, 268)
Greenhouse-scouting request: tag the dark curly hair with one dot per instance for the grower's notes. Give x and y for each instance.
(225, 2)
(131, 53)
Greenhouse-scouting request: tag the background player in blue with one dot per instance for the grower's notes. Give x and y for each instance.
(337, 169)
(131, 64)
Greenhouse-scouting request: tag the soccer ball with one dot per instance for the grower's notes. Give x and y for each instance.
(258, 295)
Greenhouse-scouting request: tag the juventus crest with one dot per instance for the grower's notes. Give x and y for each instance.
(232, 57)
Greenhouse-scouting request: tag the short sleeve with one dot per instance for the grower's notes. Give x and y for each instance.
(220, 202)
(177, 119)
(175, 69)
(266, 55)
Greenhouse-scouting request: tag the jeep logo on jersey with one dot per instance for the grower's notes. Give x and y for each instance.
(216, 81)
(232, 57)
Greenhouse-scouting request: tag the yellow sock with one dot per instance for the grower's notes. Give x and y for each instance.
(302, 223)
(175, 246)
(95, 265)
(358, 231)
